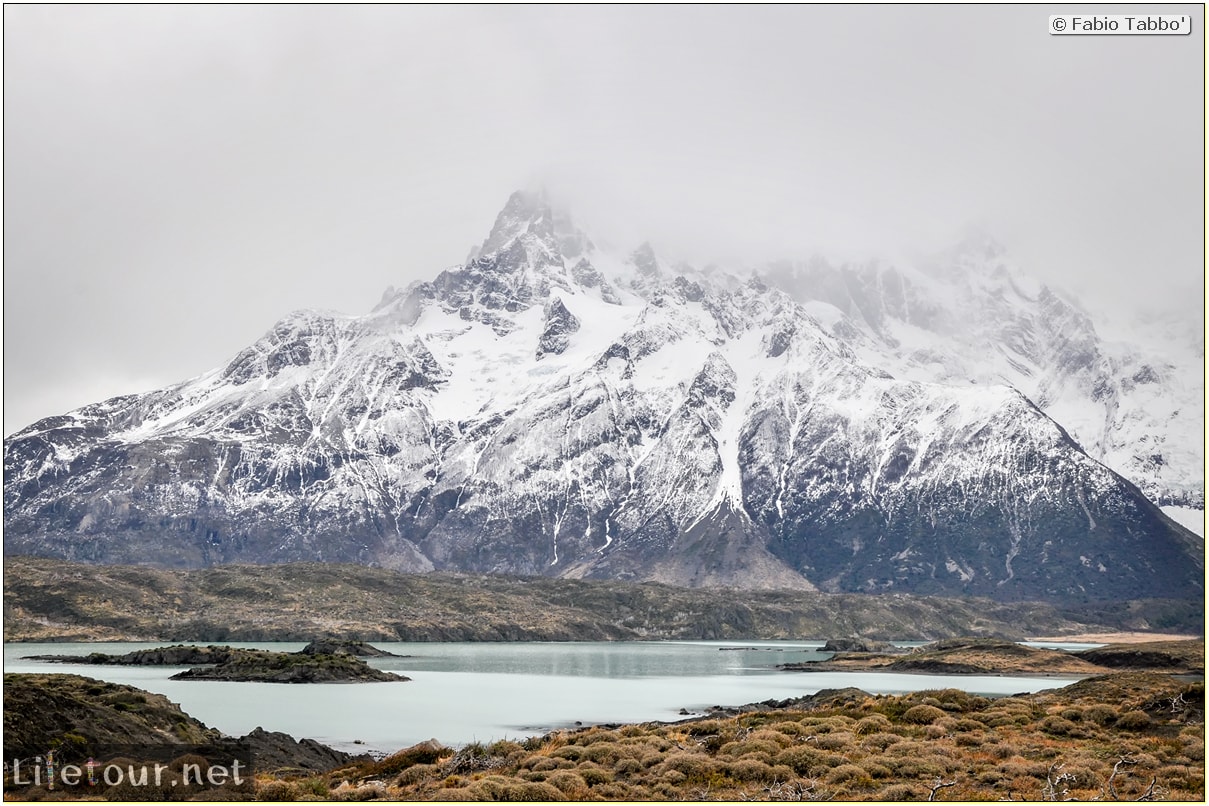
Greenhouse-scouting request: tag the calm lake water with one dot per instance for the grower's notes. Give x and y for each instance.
(464, 692)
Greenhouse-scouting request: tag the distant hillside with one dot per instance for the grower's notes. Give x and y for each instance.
(53, 600)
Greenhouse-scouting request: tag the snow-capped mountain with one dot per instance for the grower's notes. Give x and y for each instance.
(971, 316)
(548, 408)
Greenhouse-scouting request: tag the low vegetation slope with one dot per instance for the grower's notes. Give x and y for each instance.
(80, 718)
(1124, 736)
(48, 711)
(53, 600)
(994, 656)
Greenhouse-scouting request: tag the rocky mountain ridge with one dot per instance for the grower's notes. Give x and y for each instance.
(550, 409)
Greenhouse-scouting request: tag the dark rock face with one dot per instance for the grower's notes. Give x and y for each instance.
(560, 324)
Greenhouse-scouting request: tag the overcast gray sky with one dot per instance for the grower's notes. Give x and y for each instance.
(178, 178)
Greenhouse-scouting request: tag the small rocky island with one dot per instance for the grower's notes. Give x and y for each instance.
(325, 661)
(990, 656)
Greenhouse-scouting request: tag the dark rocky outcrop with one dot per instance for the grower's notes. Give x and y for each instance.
(560, 324)
(273, 750)
(856, 645)
(160, 656)
(332, 646)
(255, 666)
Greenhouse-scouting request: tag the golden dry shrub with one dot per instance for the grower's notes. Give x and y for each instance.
(790, 729)
(900, 792)
(550, 763)
(1000, 750)
(568, 782)
(807, 761)
(571, 752)
(349, 792)
(704, 728)
(1182, 776)
(875, 768)
(968, 739)
(851, 776)
(1133, 720)
(666, 791)
(457, 794)
(955, 699)
(1058, 726)
(417, 773)
(277, 790)
(840, 740)
(595, 775)
(530, 792)
(616, 791)
(924, 714)
(873, 723)
(749, 769)
(606, 753)
(499, 787)
(1100, 714)
(827, 724)
(771, 735)
(627, 766)
(690, 765)
(917, 766)
(880, 741)
(749, 747)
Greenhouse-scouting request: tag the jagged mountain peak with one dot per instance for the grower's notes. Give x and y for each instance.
(530, 214)
(525, 212)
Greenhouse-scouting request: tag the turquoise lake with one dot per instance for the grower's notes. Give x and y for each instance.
(464, 692)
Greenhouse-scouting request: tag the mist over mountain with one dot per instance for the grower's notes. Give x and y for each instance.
(553, 407)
